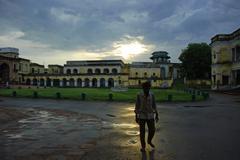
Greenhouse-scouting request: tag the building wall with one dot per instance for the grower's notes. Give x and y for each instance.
(84, 69)
(225, 63)
(55, 70)
(36, 69)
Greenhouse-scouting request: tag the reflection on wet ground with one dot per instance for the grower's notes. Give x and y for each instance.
(57, 133)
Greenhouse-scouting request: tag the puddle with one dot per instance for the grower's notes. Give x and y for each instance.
(132, 141)
(14, 136)
(109, 125)
(132, 133)
(196, 106)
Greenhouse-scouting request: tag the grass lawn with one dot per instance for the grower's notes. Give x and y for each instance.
(99, 94)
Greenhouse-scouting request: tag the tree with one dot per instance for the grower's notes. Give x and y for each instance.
(196, 61)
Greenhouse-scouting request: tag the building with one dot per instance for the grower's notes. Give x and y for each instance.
(12, 68)
(226, 61)
(95, 73)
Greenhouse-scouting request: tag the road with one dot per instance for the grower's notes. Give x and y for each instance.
(64, 129)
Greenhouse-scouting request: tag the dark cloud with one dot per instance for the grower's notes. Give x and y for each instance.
(93, 25)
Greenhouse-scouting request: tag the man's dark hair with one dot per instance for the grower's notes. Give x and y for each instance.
(146, 84)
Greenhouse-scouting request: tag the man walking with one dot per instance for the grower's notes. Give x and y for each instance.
(145, 110)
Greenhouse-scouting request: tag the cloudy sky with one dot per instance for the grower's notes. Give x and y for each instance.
(53, 31)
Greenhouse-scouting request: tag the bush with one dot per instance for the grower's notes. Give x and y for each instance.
(35, 94)
(58, 95)
(110, 97)
(14, 93)
(83, 95)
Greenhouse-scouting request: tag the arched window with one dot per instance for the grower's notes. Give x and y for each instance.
(97, 71)
(49, 81)
(4, 72)
(71, 82)
(94, 82)
(110, 82)
(75, 71)
(79, 82)
(114, 71)
(64, 82)
(56, 82)
(102, 82)
(145, 74)
(28, 82)
(35, 81)
(68, 71)
(106, 70)
(86, 82)
(42, 82)
(89, 71)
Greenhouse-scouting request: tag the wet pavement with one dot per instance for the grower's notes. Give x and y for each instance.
(63, 129)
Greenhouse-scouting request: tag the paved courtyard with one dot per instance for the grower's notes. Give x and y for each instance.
(69, 130)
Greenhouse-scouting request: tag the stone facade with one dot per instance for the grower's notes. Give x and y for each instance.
(95, 73)
(226, 61)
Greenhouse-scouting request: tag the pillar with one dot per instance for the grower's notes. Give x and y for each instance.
(83, 84)
(90, 83)
(61, 83)
(45, 83)
(98, 83)
(75, 83)
(106, 83)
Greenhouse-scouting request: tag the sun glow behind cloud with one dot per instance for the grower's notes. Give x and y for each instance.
(129, 47)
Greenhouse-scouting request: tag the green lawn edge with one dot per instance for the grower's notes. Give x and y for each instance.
(98, 94)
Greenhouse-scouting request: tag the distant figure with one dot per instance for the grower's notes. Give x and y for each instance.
(145, 110)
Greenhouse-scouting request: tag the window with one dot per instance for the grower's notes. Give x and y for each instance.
(68, 71)
(145, 74)
(97, 71)
(106, 70)
(75, 71)
(89, 71)
(114, 71)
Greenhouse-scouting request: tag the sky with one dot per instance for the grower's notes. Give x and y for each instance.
(54, 31)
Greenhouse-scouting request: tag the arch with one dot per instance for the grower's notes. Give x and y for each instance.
(163, 72)
(79, 82)
(94, 82)
(56, 82)
(106, 70)
(71, 82)
(64, 82)
(68, 71)
(89, 71)
(102, 82)
(49, 81)
(110, 82)
(28, 81)
(4, 73)
(114, 71)
(42, 82)
(86, 82)
(75, 71)
(97, 71)
(145, 74)
(35, 82)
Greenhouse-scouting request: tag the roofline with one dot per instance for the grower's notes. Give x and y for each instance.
(225, 37)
